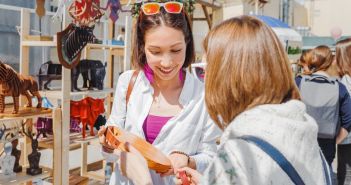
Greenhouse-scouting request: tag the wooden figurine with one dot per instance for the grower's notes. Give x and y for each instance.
(93, 73)
(2, 132)
(16, 153)
(40, 9)
(34, 157)
(7, 162)
(48, 72)
(14, 84)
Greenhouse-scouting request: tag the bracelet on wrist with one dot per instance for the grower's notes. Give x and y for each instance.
(182, 153)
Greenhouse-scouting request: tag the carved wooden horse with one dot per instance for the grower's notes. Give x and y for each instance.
(14, 84)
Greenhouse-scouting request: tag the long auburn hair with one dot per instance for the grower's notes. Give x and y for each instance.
(305, 60)
(343, 56)
(247, 66)
(145, 23)
(322, 58)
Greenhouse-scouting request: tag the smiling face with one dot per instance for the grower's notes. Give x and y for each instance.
(165, 50)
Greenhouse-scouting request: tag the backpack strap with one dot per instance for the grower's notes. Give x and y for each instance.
(280, 159)
(131, 84)
(321, 77)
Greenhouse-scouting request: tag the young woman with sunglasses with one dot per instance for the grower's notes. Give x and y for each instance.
(254, 96)
(166, 105)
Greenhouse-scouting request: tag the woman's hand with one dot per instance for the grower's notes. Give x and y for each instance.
(178, 161)
(193, 176)
(102, 140)
(133, 165)
(341, 136)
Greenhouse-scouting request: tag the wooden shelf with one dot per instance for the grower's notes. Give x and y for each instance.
(104, 46)
(38, 43)
(75, 141)
(57, 93)
(23, 177)
(24, 113)
(54, 44)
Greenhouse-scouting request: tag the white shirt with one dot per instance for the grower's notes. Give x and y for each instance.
(191, 131)
(285, 126)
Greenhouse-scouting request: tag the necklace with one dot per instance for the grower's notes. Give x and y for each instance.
(157, 101)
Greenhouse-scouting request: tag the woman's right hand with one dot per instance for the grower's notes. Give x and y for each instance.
(102, 139)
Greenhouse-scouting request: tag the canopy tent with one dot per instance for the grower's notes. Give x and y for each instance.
(283, 30)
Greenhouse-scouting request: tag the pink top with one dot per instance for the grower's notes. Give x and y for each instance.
(153, 125)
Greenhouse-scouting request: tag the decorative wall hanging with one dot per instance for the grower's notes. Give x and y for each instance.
(85, 12)
(14, 84)
(115, 7)
(34, 157)
(70, 43)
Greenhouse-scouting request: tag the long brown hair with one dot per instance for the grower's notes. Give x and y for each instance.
(247, 66)
(305, 60)
(343, 56)
(146, 22)
(322, 58)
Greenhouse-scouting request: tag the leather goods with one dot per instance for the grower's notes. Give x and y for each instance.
(156, 160)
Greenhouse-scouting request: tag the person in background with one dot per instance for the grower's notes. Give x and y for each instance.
(343, 58)
(327, 100)
(304, 61)
(166, 106)
(251, 95)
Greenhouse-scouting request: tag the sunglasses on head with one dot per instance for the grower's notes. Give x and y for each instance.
(152, 8)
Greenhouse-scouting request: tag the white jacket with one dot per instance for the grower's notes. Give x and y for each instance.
(285, 126)
(191, 131)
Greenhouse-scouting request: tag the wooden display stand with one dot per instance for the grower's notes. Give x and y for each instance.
(61, 143)
(26, 149)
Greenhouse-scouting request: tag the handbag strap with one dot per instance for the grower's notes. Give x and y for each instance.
(131, 85)
(277, 156)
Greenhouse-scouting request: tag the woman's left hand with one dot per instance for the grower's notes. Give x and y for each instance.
(177, 161)
(133, 165)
